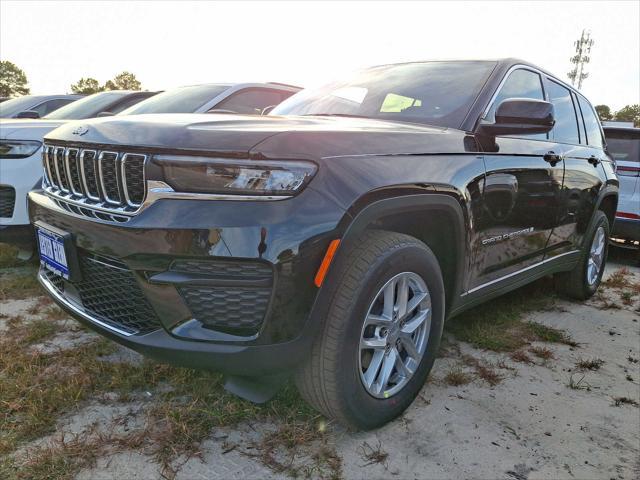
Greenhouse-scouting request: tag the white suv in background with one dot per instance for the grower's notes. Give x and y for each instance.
(623, 143)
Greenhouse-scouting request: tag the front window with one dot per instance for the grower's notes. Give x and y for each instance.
(179, 100)
(435, 93)
(87, 107)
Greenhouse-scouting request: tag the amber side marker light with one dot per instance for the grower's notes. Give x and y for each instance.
(326, 262)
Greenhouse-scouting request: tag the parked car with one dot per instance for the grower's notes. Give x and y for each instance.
(331, 238)
(21, 156)
(35, 106)
(623, 144)
(247, 98)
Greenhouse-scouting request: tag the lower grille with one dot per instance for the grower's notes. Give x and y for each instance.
(7, 201)
(239, 309)
(228, 309)
(110, 293)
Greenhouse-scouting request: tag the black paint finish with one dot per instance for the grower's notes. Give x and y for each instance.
(509, 209)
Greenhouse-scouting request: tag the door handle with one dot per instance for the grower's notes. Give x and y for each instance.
(593, 160)
(552, 158)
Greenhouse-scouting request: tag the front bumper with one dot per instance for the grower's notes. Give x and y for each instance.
(290, 235)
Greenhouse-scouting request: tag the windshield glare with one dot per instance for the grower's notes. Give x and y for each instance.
(435, 93)
(12, 107)
(180, 100)
(86, 107)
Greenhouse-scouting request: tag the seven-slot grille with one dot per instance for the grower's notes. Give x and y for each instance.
(106, 179)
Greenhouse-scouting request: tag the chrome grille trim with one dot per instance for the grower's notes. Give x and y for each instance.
(101, 176)
(58, 161)
(46, 160)
(123, 175)
(83, 174)
(70, 174)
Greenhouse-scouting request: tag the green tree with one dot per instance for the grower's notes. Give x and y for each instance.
(630, 113)
(604, 112)
(13, 80)
(123, 81)
(87, 86)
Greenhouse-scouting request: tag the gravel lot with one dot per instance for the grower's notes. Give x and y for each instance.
(561, 409)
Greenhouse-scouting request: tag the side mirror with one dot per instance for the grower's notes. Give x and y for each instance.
(520, 115)
(267, 110)
(28, 114)
(105, 114)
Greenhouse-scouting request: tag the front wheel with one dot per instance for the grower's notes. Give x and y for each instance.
(381, 334)
(583, 281)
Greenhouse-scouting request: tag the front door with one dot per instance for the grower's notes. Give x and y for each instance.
(521, 196)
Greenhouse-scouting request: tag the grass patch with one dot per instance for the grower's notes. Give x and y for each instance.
(499, 325)
(619, 279)
(373, 456)
(592, 364)
(37, 388)
(521, 357)
(19, 286)
(457, 377)
(484, 370)
(578, 383)
(619, 401)
(9, 256)
(542, 352)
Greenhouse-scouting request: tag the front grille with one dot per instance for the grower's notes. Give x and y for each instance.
(236, 310)
(110, 293)
(7, 201)
(107, 180)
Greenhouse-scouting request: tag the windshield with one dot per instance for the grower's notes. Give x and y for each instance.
(436, 93)
(624, 147)
(179, 100)
(12, 107)
(87, 107)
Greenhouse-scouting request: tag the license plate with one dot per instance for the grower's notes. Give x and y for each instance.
(55, 252)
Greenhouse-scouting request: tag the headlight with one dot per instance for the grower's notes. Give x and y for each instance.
(235, 177)
(18, 148)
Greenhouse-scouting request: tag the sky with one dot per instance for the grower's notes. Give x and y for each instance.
(168, 44)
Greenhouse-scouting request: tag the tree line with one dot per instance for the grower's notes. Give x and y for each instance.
(13, 82)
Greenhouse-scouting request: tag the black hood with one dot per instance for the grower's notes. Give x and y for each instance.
(288, 136)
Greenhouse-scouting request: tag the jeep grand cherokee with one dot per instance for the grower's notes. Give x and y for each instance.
(332, 238)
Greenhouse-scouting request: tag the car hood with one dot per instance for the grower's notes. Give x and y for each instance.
(264, 136)
(27, 129)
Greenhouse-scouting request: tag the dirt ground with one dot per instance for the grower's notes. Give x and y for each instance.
(546, 410)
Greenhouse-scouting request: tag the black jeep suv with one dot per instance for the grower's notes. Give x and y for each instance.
(333, 237)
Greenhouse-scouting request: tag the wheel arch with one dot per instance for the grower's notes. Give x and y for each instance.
(437, 219)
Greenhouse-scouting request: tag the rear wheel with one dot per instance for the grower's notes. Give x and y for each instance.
(583, 281)
(381, 334)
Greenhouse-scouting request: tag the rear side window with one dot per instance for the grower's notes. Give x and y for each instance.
(566, 128)
(251, 101)
(126, 103)
(591, 123)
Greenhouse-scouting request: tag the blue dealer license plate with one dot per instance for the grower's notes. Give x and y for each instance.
(52, 252)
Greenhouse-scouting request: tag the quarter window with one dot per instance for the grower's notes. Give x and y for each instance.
(591, 123)
(566, 128)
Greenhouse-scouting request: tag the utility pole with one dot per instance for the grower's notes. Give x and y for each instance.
(583, 48)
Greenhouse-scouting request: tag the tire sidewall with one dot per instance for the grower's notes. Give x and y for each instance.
(601, 221)
(366, 410)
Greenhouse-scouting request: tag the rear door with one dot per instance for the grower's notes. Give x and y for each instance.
(578, 136)
(521, 195)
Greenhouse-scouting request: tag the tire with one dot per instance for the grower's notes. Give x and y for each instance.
(332, 378)
(579, 283)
